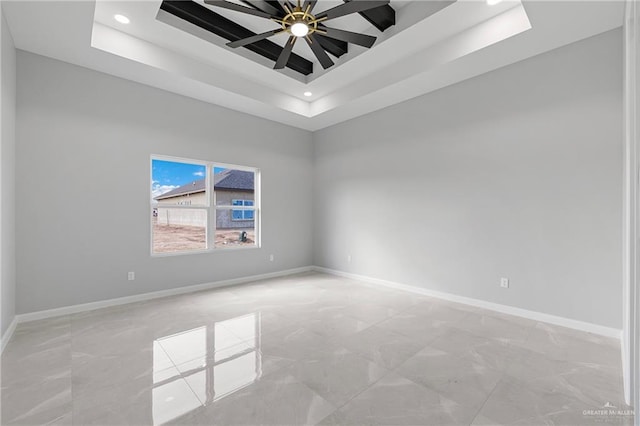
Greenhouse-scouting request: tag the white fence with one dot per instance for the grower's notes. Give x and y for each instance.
(185, 217)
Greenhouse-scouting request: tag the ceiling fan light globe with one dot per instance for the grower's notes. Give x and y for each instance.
(299, 29)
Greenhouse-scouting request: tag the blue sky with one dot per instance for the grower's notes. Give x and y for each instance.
(168, 175)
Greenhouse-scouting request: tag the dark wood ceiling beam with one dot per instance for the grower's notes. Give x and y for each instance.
(217, 24)
(381, 17)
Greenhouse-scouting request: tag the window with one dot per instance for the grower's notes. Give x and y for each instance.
(201, 206)
(236, 206)
(242, 214)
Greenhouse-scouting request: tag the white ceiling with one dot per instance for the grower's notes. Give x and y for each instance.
(422, 53)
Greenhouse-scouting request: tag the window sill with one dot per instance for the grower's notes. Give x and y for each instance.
(207, 251)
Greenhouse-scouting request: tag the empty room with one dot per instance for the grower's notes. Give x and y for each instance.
(333, 212)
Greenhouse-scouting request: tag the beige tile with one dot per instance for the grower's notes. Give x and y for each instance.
(384, 347)
(459, 377)
(36, 403)
(338, 376)
(277, 399)
(395, 400)
(305, 349)
(572, 345)
(515, 402)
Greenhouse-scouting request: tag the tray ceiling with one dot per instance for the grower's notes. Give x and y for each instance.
(433, 44)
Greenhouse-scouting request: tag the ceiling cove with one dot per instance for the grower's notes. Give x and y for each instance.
(433, 44)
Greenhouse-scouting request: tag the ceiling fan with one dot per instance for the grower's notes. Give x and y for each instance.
(298, 21)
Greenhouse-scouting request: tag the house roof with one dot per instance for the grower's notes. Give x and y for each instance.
(230, 179)
(234, 179)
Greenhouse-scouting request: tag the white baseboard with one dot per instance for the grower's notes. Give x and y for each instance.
(8, 334)
(510, 310)
(50, 313)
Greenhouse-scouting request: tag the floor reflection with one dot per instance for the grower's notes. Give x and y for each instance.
(202, 365)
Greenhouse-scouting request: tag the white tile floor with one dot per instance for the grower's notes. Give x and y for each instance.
(306, 349)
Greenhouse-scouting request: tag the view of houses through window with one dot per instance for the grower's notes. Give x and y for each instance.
(199, 206)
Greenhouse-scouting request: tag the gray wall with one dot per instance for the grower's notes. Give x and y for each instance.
(83, 154)
(516, 173)
(7, 177)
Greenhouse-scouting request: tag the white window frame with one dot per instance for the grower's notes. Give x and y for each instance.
(211, 206)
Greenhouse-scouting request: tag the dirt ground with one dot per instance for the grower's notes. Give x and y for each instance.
(172, 238)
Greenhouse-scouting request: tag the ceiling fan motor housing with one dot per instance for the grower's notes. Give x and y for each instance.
(295, 19)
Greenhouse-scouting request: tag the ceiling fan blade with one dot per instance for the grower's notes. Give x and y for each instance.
(263, 6)
(350, 37)
(238, 8)
(351, 7)
(286, 52)
(253, 39)
(322, 56)
(277, 5)
(311, 3)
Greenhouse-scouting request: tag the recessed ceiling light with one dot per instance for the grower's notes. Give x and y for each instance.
(493, 2)
(121, 18)
(307, 94)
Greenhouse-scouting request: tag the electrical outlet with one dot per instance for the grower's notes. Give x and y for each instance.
(348, 258)
(271, 258)
(131, 276)
(504, 282)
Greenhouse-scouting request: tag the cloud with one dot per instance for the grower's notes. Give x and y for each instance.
(157, 189)
(201, 174)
